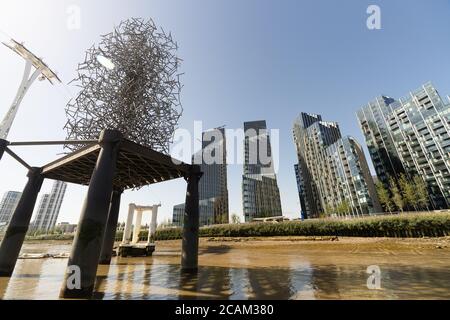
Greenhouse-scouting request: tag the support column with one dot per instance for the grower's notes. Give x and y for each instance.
(152, 228)
(87, 245)
(189, 250)
(137, 226)
(111, 228)
(20, 221)
(127, 232)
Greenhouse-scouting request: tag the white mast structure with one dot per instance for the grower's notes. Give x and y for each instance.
(41, 69)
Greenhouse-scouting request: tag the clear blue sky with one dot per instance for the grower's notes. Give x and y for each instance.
(243, 60)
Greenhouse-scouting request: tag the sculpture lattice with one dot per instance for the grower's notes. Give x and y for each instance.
(138, 93)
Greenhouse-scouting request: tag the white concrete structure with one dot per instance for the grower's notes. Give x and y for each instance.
(137, 225)
(41, 69)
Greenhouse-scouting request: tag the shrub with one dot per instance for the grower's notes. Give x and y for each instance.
(407, 225)
(404, 225)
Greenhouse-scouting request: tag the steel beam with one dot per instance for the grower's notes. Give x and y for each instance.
(17, 158)
(52, 143)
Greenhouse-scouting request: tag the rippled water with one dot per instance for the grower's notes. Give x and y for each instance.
(277, 271)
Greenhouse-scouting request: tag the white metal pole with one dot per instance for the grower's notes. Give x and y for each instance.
(26, 83)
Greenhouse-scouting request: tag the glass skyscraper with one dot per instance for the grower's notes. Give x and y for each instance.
(260, 193)
(379, 139)
(213, 190)
(415, 132)
(331, 170)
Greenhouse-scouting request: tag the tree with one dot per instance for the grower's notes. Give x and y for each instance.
(224, 218)
(385, 197)
(235, 219)
(338, 210)
(423, 199)
(408, 192)
(345, 207)
(329, 209)
(396, 195)
(165, 224)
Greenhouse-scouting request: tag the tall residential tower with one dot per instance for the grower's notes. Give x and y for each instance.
(260, 193)
(411, 135)
(8, 205)
(331, 170)
(49, 207)
(213, 190)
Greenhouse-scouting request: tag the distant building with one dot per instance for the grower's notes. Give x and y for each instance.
(412, 136)
(331, 170)
(300, 187)
(8, 204)
(213, 186)
(178, 215)
(120, 227)
(49, 207)
(260, 193)
(213, 190)
(205, 208)
(66, 227)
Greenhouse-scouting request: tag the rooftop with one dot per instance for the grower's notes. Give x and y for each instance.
(137, 166)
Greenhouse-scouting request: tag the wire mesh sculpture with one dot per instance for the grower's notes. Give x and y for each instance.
(129, 82)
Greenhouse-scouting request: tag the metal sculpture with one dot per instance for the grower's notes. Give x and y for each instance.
(129, 82)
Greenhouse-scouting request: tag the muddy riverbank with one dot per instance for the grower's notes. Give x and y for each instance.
(253, 268)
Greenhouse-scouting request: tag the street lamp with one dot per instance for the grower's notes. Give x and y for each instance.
(41, 70)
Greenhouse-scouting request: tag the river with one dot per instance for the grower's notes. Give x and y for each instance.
(254, 269)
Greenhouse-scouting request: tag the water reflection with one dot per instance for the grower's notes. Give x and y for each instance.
(34, 279)
(245, 273)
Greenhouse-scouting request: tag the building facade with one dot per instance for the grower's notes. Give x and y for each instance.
(260, 193)
(379, 139)
(213, 185)
(66, 227)
(300, 186)
(49, 207)
(9, 203)
(331, 170)
(418, 130)
(178, 215)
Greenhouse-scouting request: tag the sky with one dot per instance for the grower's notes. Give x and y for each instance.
(242, 61)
